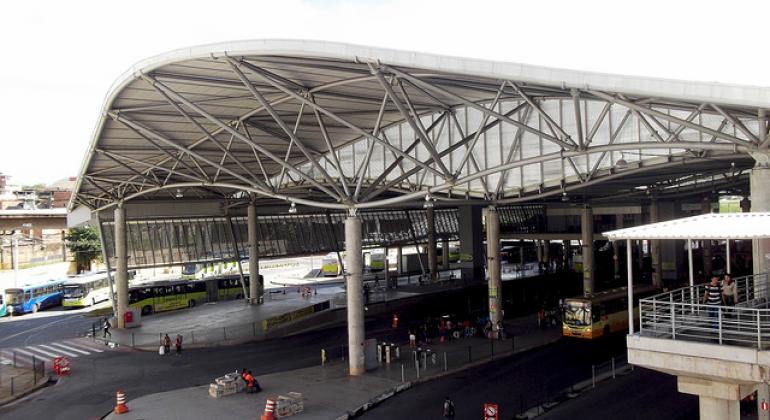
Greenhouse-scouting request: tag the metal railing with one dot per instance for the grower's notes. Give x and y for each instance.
(681, 314)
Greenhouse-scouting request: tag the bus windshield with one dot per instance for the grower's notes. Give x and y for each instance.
(577, 313)
(73, 291)
(189, 269)
(14, 296)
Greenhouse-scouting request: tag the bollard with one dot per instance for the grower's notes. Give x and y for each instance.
(403, 379)
(12, 385)
(398, 350)
(269, 409)
(417, 367)
(14, 359)
(593, 376)
(323, 357)
(425, 359)
(433, 359)
(120, 406)
(379, 352)
(387, 353)
(93, 331)
(613, 368)
(445, 364)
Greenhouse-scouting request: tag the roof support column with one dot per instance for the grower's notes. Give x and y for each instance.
(630, 286)
(432, 260)
(493, 267)
(121, 264)
(760, 202)
(354, 282)
(256, 288)
(471, 242)
(707, 267)
(655, 253)
(587, 239)
(445, 254)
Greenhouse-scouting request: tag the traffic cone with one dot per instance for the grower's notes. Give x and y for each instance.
(120, 406)
(269, 409)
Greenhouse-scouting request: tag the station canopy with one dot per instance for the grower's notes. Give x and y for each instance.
(340, 126)
(703, 226)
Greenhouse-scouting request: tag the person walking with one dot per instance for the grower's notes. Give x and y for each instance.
(729, 291)
(713, 297)
(106, 327)
(412, 339)
(166, 344)
(178, 344)
(449, 409)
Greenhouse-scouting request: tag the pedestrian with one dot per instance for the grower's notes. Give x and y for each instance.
(178, 344)
(729, 291)
(500, 331)
(106, 328)
(166, 344)
(412, 339)
(449, 409)
(713, 296)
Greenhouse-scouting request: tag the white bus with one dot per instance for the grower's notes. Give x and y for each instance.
(86, 290)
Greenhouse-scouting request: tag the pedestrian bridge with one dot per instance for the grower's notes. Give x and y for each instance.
(720, 353)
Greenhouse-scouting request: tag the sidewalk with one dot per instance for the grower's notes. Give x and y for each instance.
(328, 390)
(16, 382)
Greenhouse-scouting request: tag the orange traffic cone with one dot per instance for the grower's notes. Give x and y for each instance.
(120, 406)
(269, 409)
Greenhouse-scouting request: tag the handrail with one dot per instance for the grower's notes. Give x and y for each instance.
(680, 315)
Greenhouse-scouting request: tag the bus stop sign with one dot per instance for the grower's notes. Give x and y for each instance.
(491, 412)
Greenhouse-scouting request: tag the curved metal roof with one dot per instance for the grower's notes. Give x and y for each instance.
(754, 225)
(338, 126)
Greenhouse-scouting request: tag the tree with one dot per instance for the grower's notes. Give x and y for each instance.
(85, 244)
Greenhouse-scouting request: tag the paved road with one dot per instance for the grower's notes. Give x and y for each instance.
(533, 378)
(30, 330)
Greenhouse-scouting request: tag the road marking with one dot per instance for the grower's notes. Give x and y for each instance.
(69, 348)
(22, 351)
(39, 327)
(84, 346)
(39, 350)
(66, 353)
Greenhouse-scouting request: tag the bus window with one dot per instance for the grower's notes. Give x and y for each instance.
(577, 313)
(28, 295)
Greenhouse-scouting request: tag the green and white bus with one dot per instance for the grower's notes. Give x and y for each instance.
(161, 296)
(86, 290)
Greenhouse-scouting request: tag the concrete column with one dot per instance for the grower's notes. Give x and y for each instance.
(760, 202)
(256, 287)
(399, 257)
(121, 264)
(566, 254)
(587, 239)
(719, 409)
(539, 248)
(707, 267)
(655, 252)
(445, 254)
(616, 249)
(471, 242)
(355, 297)
(493, 267)
(432, 260)
(547, 255)
(763, 395)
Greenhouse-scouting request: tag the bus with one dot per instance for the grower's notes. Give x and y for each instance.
(199, 271)
(3, 307)
(161, 296)
(330, 266)
(86, 290)
(377, 261)
(601, 313)
(21, 300)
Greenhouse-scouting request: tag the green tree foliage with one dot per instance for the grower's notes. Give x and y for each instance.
(84, 243)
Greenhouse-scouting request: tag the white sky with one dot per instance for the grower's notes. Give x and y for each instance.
(58, 58)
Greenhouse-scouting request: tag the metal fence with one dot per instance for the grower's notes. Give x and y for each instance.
(682, 315)
(18, 376)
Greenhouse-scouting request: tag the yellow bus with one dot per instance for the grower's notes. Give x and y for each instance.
(602, 313)
(330, 266)
(86, 290)
(161, 296)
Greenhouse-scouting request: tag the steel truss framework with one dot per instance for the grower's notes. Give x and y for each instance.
(364, 133)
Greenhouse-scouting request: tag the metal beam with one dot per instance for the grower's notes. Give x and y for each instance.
(547, 118)
(482, 123)
(736, 123)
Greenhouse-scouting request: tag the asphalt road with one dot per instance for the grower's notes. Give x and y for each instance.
(534, 377)
(30, 329)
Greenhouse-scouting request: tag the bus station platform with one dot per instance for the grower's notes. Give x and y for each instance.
(330, 393)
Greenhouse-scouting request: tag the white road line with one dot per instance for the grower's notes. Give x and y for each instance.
(22, 351)
(59, 345)
(66, 353)
(84, 346)
(39, 350)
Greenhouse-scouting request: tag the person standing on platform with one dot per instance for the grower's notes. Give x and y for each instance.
(166, 344)
(178, 344)
(729, 290)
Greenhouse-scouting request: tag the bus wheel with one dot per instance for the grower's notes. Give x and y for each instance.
(191, 303)
(35, 308)
(147, 310)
